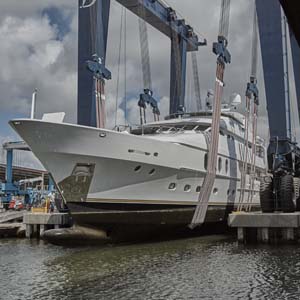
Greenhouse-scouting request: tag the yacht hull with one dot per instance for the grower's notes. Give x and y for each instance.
(109, 178)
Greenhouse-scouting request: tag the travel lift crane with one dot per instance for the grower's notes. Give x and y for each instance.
(224, 57)
(280, 190)
(93, 34)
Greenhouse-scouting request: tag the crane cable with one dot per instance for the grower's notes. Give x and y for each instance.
(145, 55)
(125, 67)
(249, 168)
(175, 45)
(213, 146)
(196, 81)
(147, 96)
(145, 59)
(119, 65)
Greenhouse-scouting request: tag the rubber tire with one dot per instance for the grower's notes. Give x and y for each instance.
(297, 192)
(297, 187)
(287, 194)
(267, 202)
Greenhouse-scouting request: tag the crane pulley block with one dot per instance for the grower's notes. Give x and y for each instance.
(147, 98)
(252, 90)
(98, 68)
(220, 49)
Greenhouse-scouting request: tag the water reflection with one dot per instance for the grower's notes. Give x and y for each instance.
(199, 268)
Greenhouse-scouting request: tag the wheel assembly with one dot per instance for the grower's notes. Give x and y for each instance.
(267, 202)
(287, 193)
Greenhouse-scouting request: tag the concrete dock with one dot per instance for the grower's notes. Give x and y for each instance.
(37, 223)
(11, 216)
(266, 227)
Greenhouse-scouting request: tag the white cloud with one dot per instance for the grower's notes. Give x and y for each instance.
(31, 57)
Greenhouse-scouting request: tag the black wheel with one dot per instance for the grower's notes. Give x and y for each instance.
(297, 192)
(267, 203)
(287, 193)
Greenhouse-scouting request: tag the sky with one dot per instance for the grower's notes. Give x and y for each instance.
(38, 49)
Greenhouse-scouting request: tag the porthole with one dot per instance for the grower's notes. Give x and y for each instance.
(152, 172)
(233, 192)
(228, 192)
(226, 165)
(172, 186)
(102, 134)
(198, 189)
(187, 188)
(137, 168)
(220, 164)
(155, 154)
(215, 191)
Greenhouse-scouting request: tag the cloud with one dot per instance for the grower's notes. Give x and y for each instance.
(36, 52)
(31, 56)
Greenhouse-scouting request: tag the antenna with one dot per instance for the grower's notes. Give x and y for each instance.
(33, 102)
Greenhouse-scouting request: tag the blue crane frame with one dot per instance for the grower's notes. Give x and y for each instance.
(283, 154)
(270, 31)
(92, 40)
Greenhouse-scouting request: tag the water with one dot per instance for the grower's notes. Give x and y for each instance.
(213, 267)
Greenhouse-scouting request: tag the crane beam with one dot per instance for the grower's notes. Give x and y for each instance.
(163, 19)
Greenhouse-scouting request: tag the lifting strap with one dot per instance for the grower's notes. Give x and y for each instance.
(224, 57)
(213, 146)
(245, 156)
(100, 103)
(249, 167)
(253, 158)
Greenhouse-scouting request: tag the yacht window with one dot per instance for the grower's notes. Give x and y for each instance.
(189, 127)
(198, 189)
(152, 172)
(201, 128)
(187, 188)
(155, 154)
(215, 191)
(226, 165)
(172, 186)
(137, 169)
(220, 164)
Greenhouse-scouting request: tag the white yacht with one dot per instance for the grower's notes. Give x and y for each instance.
(150, 175)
